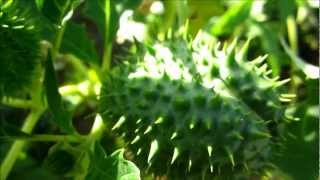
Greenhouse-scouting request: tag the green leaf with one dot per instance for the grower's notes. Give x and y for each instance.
(60, 115)
(58, 11)
(235, 16)
(202, 11)
(77, 42)
(114, 167)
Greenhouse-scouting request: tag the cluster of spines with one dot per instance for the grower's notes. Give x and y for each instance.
(135, 96)
(19, 49)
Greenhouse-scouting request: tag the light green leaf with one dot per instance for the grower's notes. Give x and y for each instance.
(236, 15)
(114, 167)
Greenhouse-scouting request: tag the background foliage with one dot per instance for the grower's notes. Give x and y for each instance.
(86, 37)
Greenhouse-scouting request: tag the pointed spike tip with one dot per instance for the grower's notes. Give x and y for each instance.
(175, 155)
(153, 149)
(119, 123)
(209, 148)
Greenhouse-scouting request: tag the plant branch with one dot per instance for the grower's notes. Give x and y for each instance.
(17, 103)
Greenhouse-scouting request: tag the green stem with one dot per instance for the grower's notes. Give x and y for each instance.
(107, 39)
(293, 40)
(292, 33)
(50, 137)
(58, 40)
(18, 145)
(17, 103)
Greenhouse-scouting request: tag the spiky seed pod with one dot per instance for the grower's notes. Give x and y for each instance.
(19, 50)
(187, 110)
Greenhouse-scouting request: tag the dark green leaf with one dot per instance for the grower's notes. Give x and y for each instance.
(60, 115)
(114, 167)
(77, 42)
(58, 11)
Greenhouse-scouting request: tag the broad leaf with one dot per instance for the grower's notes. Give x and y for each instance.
(114, 167)
(77, 42)
(60, 115)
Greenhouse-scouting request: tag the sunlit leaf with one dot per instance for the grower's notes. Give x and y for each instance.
(113, 167)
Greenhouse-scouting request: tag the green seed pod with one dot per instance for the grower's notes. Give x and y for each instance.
(186, 110)
(19, 50)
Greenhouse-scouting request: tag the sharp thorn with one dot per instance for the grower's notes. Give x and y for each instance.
(230, 155)
(209, 148)
(153, 149)
(149, 128)
(159, 120)
(119, 123)
(136, 139)
(174, 135)
(175, 155)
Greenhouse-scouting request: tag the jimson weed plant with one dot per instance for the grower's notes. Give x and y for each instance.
(132, 89)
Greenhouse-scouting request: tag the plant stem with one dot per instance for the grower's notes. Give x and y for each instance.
(106, 61)
(293, 40)
(58, 40)
(50, 137)
(18, 145)
(17, 103)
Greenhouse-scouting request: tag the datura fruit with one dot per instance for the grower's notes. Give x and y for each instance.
(19, 49)
(189, 108)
